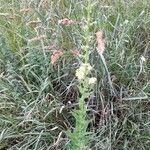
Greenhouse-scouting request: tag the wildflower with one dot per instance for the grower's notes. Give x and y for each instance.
(79, 74)
(92, 80)
(100, 42)
(83, 71)
(87, 67)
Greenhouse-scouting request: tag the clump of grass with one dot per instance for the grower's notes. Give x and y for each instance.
(40, 99)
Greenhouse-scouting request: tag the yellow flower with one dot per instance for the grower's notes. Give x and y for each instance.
(83, 71)
(92, 80)
(79, 74)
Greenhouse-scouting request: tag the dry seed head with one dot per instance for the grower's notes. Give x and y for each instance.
(56, 55)
(100, 42)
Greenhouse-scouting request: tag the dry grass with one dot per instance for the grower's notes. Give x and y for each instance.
(38, 86)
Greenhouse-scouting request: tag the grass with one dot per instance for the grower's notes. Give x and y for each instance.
(40, 102)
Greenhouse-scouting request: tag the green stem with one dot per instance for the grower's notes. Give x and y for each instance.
(87, 35)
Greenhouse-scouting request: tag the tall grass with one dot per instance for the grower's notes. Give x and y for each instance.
(41, 101)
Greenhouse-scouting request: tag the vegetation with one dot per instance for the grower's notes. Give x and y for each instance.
(74, 75)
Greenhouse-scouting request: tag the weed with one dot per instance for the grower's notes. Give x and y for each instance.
(59, 89)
